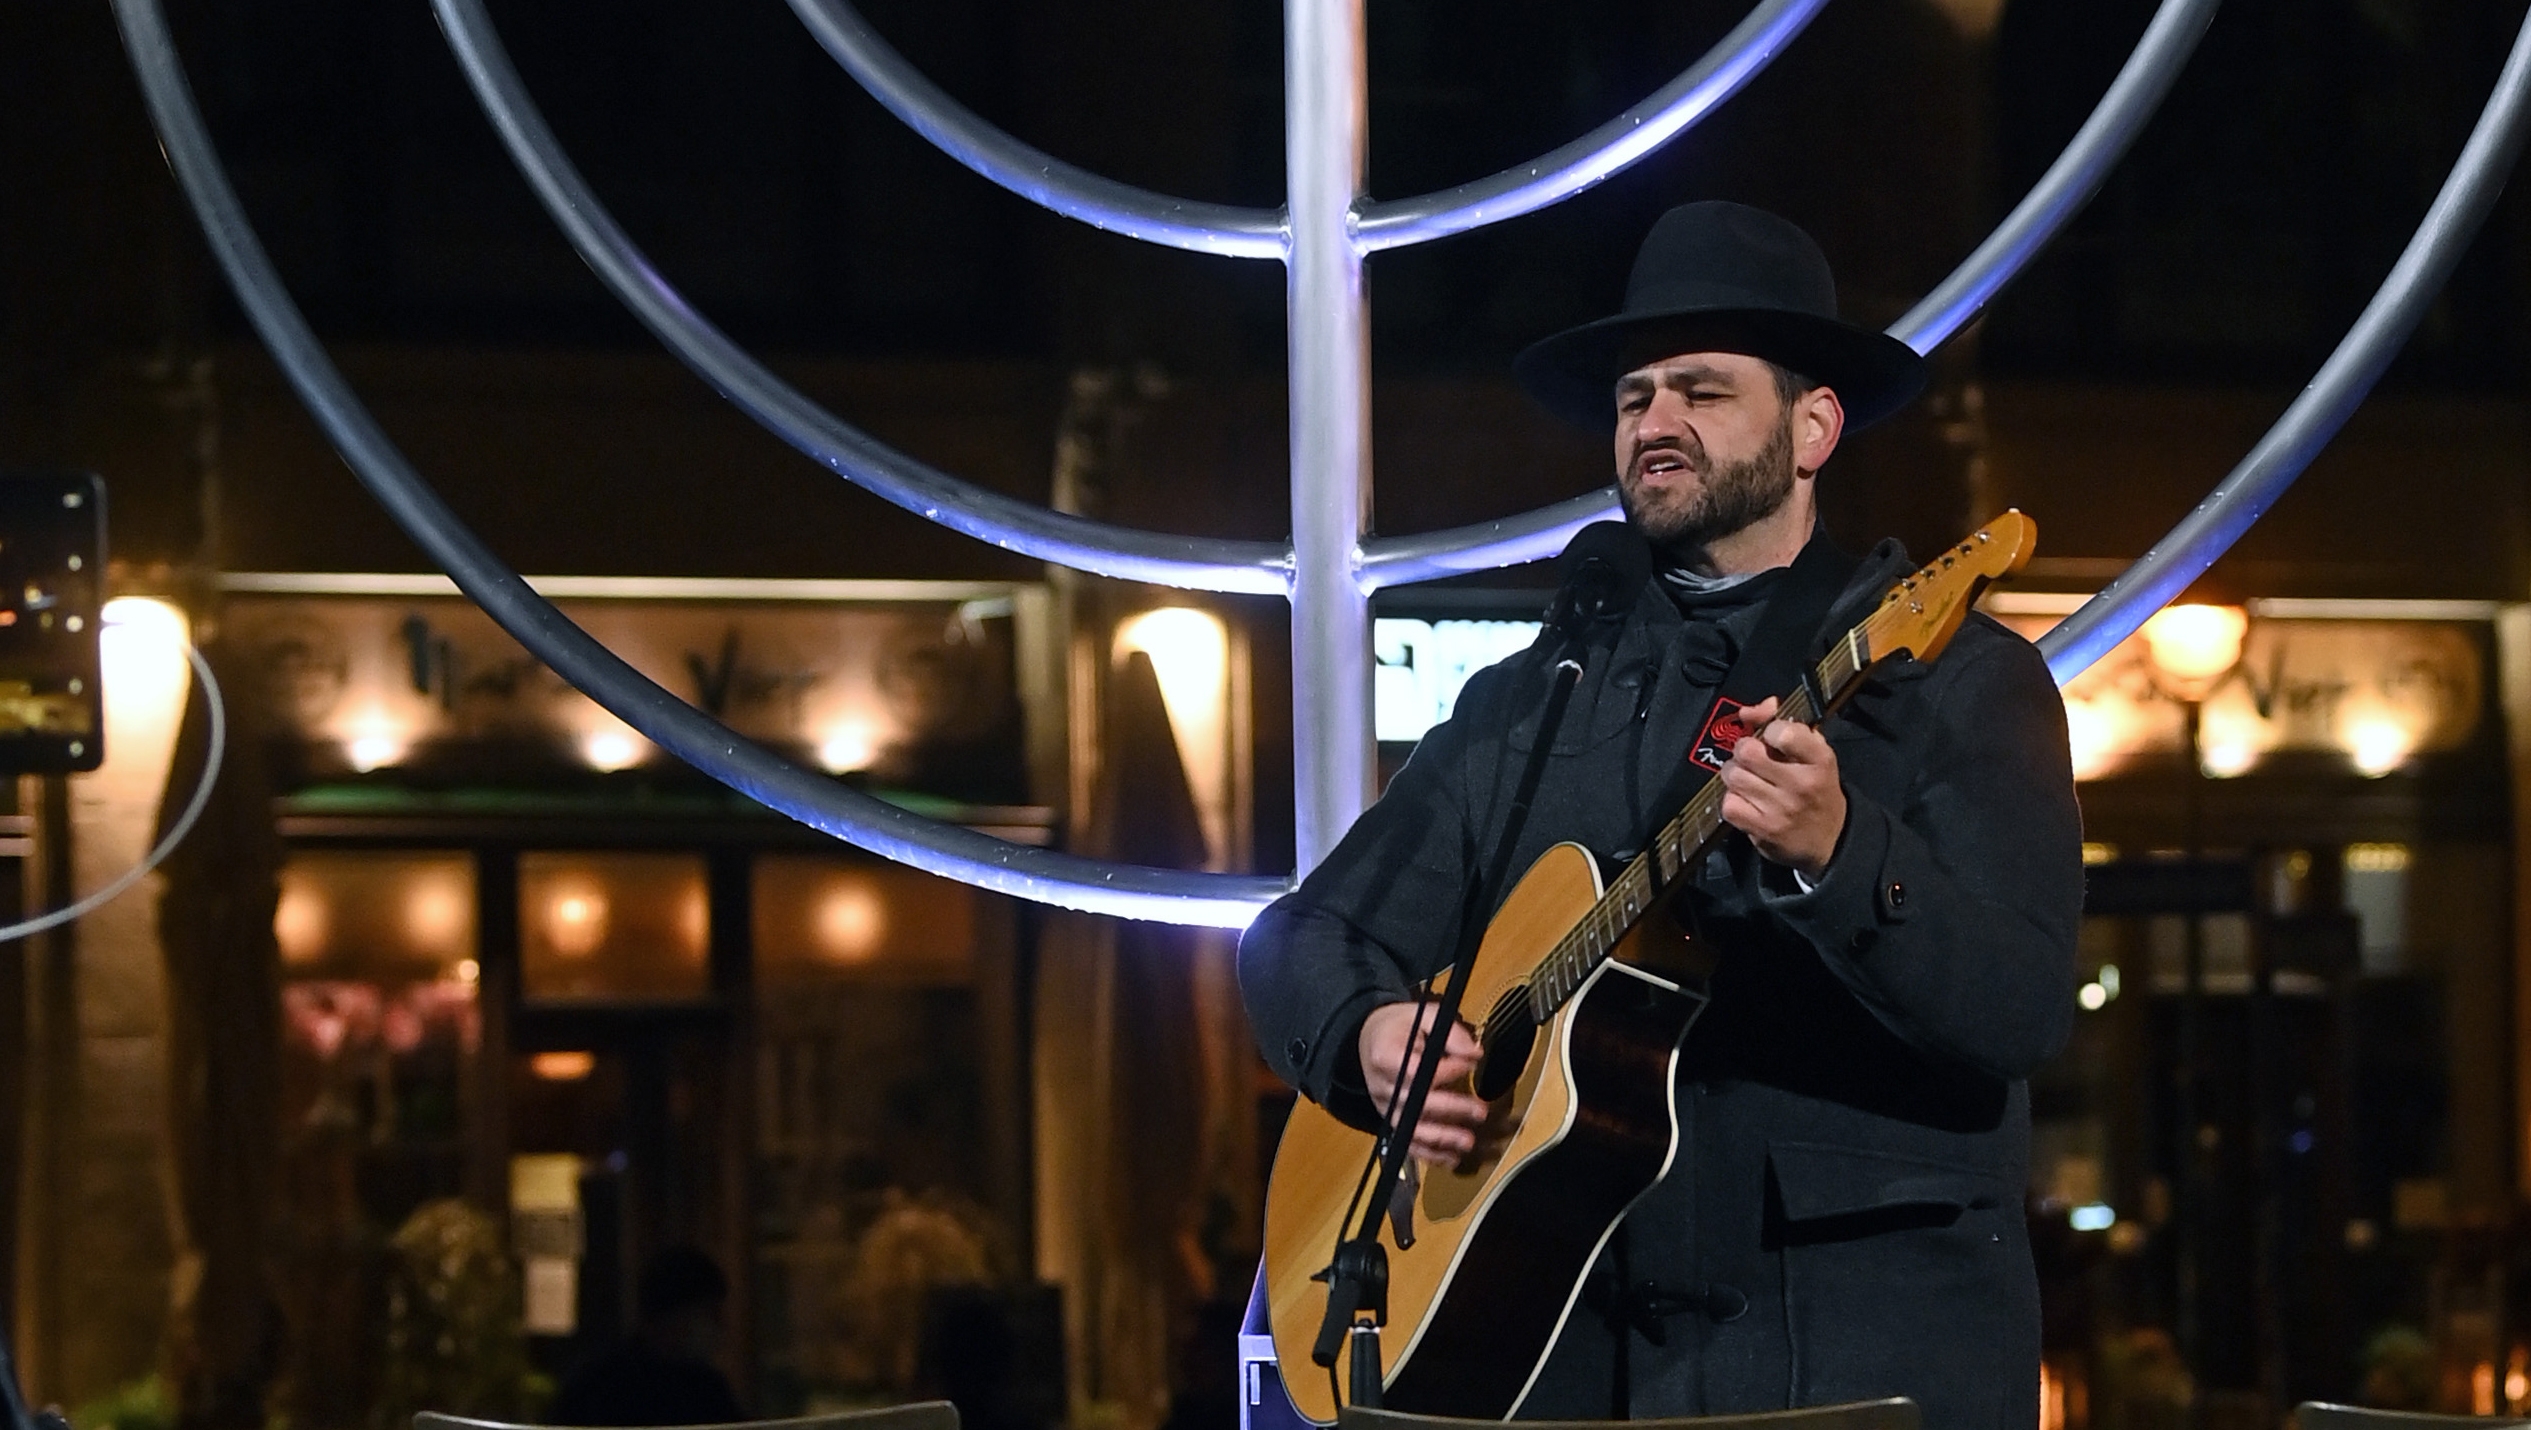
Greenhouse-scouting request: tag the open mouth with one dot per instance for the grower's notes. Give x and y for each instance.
(1661, 463)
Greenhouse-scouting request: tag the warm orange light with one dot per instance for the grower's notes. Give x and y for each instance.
(852, 922)
(2091, 737)
(377, 739)
(562, 1067)
(2193, 647)
(850, 745)
(575, 923)
(300, 922)
(439, 914)
(694, 924)
(2378, 745)
(610, 750)
(2224, 759)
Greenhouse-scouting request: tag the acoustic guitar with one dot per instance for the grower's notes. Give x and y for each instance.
(1580, 1039)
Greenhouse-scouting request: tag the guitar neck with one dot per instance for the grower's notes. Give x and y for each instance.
(1680, 844)
(1917, 616)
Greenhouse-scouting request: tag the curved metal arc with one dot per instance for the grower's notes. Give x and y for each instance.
(2061, 192)
(1255, 567)
(1670, 111)
(1042, 179)
(2375, 338)
(1043, 875)
(1482, 546)
(2069, 183)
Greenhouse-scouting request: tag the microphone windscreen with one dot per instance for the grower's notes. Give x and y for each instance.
(1615, 546)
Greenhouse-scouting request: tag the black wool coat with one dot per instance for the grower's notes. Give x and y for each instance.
(1844, 1216)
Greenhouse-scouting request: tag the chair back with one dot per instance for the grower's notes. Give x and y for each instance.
(2320, 1415)
(922, 1415)
(1895, 1413)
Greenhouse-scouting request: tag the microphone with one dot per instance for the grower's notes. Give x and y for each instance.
(1604, 568)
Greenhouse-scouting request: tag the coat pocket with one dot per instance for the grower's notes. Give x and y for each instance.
(1818, 1184)
(1903, 1276)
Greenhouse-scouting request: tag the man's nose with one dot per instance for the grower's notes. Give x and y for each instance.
(1665, 417)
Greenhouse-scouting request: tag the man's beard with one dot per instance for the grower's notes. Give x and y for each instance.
(1725, 500)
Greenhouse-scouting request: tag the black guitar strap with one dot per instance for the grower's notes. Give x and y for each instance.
(1774, 659)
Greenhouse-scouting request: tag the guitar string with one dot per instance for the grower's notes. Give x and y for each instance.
(1688, 837)
(1679, 843)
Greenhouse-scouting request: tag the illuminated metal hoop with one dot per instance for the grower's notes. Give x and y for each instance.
(1323, 235)
(960, 133)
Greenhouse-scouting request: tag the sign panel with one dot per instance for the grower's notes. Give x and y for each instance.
(862, 687)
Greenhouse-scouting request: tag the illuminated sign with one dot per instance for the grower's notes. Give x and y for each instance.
(1420, 665)
(865, 685)
(2375, 691)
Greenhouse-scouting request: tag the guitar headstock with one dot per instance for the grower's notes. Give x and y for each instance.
(1921, 613)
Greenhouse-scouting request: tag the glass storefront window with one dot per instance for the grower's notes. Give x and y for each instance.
(394, 916)
(872, 1109)
(2377, 894)
(379, 1015)
(821, 921)
(381, 1029)
(613, 926)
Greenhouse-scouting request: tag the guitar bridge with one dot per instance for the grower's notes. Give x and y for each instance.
(1402, 1205)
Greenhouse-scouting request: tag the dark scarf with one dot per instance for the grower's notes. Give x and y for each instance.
(1720, 613)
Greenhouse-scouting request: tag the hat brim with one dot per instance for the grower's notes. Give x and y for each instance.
(1574, 373)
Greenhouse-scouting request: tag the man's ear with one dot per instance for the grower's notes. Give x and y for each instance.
(1819, 419)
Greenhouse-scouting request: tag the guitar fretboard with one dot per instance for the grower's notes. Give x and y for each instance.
(1679, 845)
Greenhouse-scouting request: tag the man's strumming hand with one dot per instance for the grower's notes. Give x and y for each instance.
(1780, 788)
(1388, 1046)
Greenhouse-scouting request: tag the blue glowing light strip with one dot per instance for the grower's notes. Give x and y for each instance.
(1254, 567)
(1031, 173)
(1551, 178)
(1092, 886)
(1239, 232)
(2070, 182)
(2332, 395)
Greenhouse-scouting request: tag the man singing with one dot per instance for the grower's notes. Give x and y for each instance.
(1895, 916)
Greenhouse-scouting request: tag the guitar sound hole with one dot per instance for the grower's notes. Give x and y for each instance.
(1507, 1046)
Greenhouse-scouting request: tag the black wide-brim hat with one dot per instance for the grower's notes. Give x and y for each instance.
(1723, 277)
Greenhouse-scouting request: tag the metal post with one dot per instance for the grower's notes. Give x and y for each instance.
(2188, 1181)
(1332, 749)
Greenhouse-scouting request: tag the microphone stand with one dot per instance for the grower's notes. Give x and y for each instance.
(1358, 1279)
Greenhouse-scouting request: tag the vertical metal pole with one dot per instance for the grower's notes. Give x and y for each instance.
(1332, 751)
(2189, 1183)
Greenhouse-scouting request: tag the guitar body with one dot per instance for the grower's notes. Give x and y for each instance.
(1494, 1250)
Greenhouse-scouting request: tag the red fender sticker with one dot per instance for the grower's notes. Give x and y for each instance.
(1722, 731)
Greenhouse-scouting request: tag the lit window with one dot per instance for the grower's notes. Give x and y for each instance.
(390, 915)
(2377, 894)
(820, 919)
(613, 926)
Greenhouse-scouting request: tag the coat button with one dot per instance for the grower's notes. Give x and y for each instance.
(1897, 896)
(1725, 1303)
(1893, 901)
(1297, 1051)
